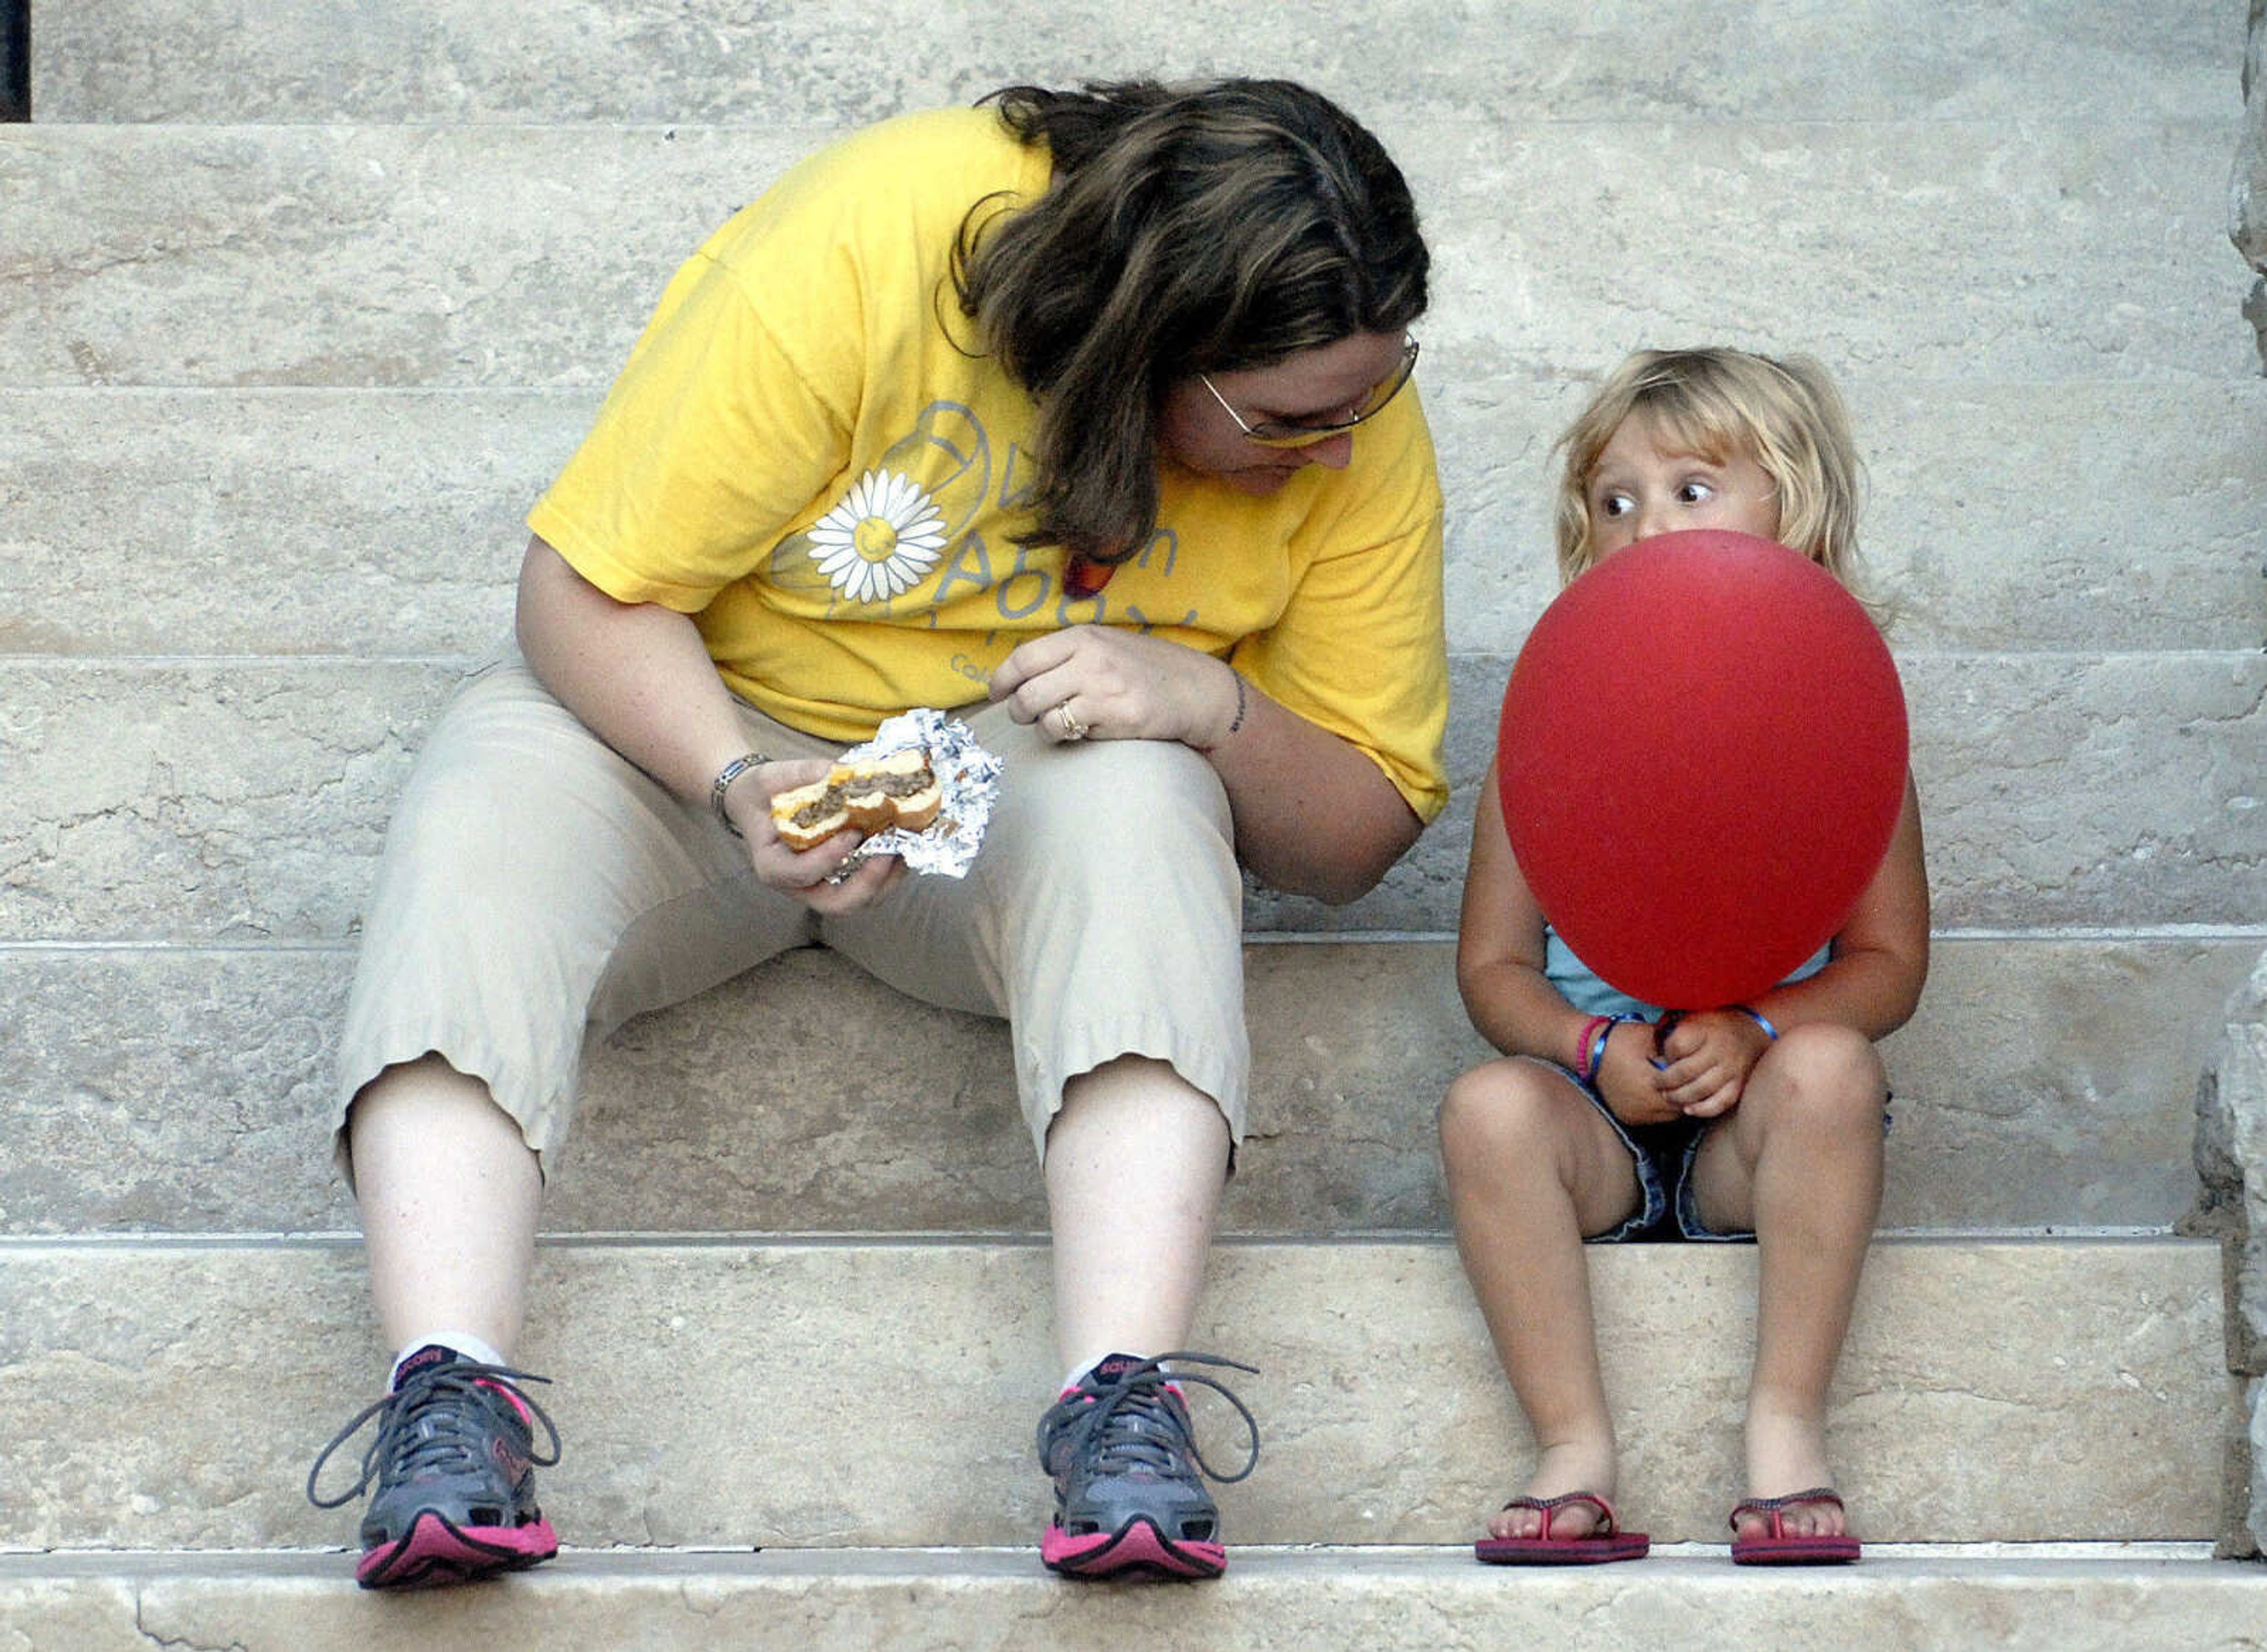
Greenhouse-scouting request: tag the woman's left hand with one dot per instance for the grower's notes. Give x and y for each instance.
(1092, 682)
(1710, 1056)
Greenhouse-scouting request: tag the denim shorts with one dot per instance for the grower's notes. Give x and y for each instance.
(1663, 1155)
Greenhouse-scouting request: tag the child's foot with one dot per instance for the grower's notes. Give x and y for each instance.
(1576, 1466)
(1786, 1453)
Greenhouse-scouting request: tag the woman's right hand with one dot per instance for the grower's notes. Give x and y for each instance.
(805, 875)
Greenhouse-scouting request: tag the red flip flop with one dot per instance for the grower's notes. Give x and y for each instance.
(1607, 1542)
(1782, 1547)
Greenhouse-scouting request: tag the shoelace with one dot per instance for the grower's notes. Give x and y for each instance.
(463, 1403)
(1134, 1417)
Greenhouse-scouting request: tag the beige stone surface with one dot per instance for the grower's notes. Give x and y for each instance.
(966, 1599)
(2025, 1090)
(529, 256)
(388, 522)
(168, 1090)
(719, 60)
(270, 522)
(2001, 227)
(209, 801)
(201, 801)
(823, 1395)
(2068, 791)
(188, 1091)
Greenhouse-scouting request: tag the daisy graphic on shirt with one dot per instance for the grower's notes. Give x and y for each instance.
(881, 540)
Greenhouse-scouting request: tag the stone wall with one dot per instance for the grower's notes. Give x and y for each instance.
(2231, 1156)
(2248, 218)
(2230, 1144)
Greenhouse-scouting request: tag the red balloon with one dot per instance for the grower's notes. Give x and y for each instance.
(1702, 757)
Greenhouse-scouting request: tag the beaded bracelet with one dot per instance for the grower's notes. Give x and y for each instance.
(722, 783)
(1771, 1032)
(1586, 1062)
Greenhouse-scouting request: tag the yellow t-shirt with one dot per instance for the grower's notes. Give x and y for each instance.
(799, 454)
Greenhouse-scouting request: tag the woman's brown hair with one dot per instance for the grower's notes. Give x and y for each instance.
(1186, 230)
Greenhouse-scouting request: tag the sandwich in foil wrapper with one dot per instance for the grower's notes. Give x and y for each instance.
(969, 777)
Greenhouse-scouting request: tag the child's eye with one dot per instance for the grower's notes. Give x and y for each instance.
(1615, 505)
(1693, 493)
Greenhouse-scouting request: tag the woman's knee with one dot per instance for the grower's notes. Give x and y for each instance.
(1129, 884)
(1120, 801)
(411, 1105)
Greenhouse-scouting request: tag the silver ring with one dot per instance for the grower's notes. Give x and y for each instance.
(1072, 728)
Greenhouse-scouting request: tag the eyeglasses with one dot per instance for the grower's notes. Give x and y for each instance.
(1274, 433)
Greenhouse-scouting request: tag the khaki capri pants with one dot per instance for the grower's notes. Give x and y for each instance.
(537, 890)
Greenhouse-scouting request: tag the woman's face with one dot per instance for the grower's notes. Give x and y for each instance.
(1314, 387)
(1643, 485)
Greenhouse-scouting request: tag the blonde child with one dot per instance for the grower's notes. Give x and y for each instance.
(1765, 1117)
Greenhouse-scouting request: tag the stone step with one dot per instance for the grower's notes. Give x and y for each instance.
(248, 520)
(824, 1394)
(530, 255)
(1401, 60)
(2025, 1098)
(198, 801)
(926, 1600)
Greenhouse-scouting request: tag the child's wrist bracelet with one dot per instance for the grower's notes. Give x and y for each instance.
(1595, 1045)
(1599, 1046)
(1588, 1049)
(1771, 1032)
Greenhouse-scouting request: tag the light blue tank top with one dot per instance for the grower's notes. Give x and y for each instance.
(1579, 985)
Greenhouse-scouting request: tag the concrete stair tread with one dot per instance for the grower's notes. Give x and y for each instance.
(266, 493)
(531, 255)
(247, 799)
(1399, 63)
(2004, 1595)
(2023, 1098)
(759, 1390)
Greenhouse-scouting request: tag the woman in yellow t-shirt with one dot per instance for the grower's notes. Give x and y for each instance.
(1085, 416)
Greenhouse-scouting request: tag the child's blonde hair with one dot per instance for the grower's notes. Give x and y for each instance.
(1782, 412)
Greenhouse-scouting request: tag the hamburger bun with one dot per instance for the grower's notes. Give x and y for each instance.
(899, 790)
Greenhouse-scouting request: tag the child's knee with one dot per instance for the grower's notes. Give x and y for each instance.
(1503, 1105)
(1829, 1078)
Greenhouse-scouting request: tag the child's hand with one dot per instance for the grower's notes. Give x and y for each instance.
(1710, 1056)
(1626, 1079)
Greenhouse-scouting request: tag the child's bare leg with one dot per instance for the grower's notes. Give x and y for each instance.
(1531, 1167)
(1800, 1161)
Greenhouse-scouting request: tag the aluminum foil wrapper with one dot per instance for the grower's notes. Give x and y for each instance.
(970, 777)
